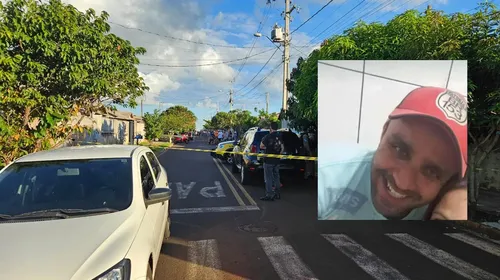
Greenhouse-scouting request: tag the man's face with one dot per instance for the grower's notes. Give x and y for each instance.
(414, 160)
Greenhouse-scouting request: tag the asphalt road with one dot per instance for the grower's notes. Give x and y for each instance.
(221, 230)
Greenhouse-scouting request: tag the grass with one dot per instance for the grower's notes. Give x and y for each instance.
(155, 146)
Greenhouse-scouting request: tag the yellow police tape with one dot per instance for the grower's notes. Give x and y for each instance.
(248, 154)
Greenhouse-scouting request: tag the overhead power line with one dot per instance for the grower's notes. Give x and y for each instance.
(261, 25)
(262, 80)
(259, 71)
(181, 39)
(206, 64)
(326, 5)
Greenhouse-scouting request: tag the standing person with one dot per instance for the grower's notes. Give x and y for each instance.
(273, 144)
(306, 151)
(221, 135)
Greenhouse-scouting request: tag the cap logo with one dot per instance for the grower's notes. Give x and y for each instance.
(453, 106)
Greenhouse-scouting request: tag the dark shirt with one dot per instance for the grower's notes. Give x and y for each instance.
(268, 141)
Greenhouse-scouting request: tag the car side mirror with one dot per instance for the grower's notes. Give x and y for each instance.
(158, 195)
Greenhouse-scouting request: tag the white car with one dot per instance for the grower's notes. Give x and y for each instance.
(83, 213)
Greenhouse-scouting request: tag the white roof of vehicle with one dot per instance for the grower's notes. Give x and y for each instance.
(83, 152)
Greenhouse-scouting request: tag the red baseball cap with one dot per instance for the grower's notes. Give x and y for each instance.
(447, 107)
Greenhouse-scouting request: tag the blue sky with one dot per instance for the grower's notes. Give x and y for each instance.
(223, 30)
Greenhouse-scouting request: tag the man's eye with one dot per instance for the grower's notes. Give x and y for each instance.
(401, 152)
(431, 173)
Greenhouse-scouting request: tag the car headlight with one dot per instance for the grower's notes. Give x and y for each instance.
(221, 146)
(120, 271)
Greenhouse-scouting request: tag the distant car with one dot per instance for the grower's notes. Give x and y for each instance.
(249, 165)
(89, 212)
(221, 151)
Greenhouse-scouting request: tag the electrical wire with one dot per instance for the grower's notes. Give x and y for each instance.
(206, 64)
(181, 39)
(307, 20)
(276, 50)
(259, 29)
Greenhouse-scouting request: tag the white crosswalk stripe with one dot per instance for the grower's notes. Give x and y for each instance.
(284, 259)
(204, 260)
(443, 258)
(365, 259)
(476, 242)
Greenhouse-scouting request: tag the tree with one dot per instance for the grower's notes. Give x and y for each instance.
(178, 119)
(57, 62)
(154, 125)
(431, 35)
(241, 120)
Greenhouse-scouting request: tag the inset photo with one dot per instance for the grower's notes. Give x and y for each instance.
(393, 141)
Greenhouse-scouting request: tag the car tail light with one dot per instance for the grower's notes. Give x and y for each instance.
(253, 149)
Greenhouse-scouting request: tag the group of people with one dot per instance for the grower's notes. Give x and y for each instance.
(220, 135)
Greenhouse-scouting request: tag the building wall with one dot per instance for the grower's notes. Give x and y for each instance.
(104, 129)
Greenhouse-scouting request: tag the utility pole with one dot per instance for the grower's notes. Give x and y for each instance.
(267, 102)
(231, 99)
(141, 108)
(286, 56)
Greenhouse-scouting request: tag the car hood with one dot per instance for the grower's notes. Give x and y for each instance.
(74, 248)
(226, 142)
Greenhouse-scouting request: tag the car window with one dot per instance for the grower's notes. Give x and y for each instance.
(248, 138)
(75, 184)
(147, 178)
(155, 165)
(259, 136)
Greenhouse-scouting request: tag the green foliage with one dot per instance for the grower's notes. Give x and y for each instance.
(240, 120)
(56, 62)
(154, 123)
(178, 119)
(414, 36)
(174, 119)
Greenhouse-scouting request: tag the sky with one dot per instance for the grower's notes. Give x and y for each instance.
(179, 36)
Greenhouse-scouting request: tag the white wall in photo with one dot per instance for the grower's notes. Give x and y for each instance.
(353, 107)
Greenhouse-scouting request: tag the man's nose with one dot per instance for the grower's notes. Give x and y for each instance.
(406, 179)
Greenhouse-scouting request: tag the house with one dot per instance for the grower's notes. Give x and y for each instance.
(110, 127)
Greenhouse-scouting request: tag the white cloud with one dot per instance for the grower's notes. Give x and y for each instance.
(207, 103)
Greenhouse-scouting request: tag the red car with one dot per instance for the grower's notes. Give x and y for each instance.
(183, 138)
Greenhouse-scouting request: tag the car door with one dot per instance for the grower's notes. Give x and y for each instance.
(161, 182)
(152, 211)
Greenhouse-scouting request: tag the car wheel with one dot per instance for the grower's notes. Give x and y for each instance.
(229, 159)
(245, 175)
(149, 275)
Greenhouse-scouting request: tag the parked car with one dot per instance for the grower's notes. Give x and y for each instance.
(248, 165)
(221, 151)
(181, 138)
(89, 212)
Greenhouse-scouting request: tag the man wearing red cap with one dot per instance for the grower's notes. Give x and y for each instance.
(422, 154)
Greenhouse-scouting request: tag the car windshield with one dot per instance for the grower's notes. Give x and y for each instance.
(73, 184)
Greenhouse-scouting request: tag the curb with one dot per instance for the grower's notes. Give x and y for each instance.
(491, 232)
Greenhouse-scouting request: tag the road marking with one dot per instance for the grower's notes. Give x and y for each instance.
(218, 191)
(476, 242)
(214, 209)
(442, 258)
(184, 190)
(204, 261)
(285, 261)
(240, 186)
(365, 259)
(233, 190)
